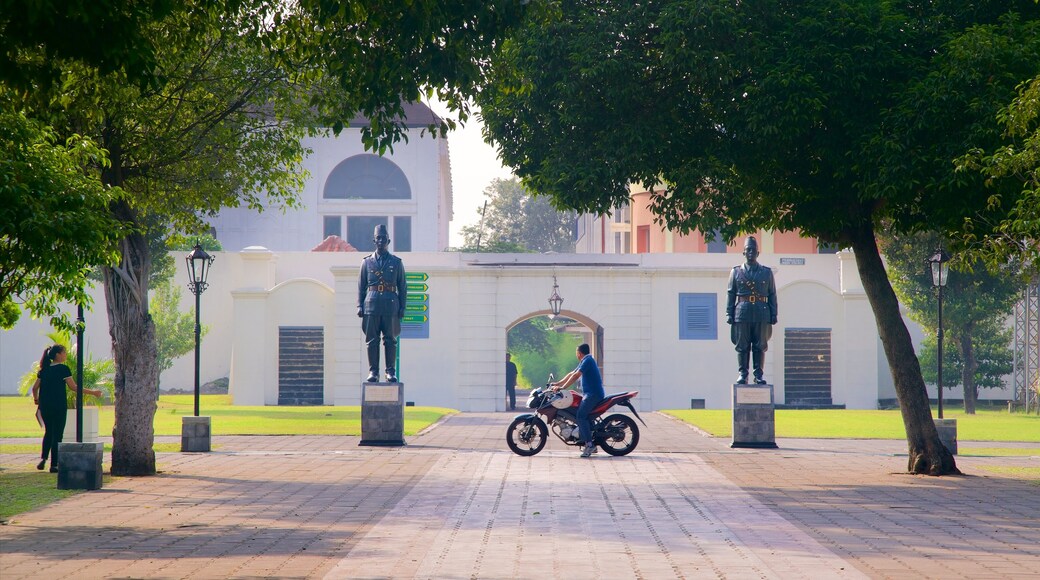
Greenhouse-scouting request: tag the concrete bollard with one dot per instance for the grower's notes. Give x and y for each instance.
(195, 434)
(79, 465)
(947, 429)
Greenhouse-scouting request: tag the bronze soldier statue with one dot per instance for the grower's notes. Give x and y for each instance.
(751, 311)
(381, 302)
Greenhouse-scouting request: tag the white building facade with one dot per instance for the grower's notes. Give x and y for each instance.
(349, 191)
(656, 320)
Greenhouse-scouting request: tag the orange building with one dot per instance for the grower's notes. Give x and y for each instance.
(631, 230)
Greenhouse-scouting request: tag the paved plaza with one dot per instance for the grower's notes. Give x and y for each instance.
(455, 503)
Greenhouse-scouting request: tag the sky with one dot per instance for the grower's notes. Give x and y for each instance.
(473, 165)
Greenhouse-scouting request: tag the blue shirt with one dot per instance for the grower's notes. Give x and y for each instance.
(591, 381)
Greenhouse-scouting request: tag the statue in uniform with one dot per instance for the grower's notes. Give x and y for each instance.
(751, 311)
(381, 302)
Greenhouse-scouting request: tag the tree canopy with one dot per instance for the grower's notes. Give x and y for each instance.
(823, 115)
(1018, 235)
(54, 223)
(514, 220)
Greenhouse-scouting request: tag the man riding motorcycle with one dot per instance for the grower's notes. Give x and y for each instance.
(592, 388)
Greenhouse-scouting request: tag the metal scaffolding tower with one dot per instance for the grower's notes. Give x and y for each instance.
(1026, 373)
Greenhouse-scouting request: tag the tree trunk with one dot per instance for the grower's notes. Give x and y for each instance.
(968, 367)
(927, 454)
(134, 351)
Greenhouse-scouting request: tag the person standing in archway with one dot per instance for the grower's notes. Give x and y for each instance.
(751, 311)
(511, 373)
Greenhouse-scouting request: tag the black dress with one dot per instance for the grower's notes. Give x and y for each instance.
(53, 407)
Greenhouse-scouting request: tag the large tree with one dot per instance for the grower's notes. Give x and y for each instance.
(976, 302)
(828, 116)
(513, 216)
(233, 86)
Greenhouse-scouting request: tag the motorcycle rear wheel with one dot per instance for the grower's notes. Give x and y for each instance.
(527, 436)
(618, 435)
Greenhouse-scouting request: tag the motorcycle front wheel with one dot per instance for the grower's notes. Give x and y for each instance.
(618, 435)
(527, 436)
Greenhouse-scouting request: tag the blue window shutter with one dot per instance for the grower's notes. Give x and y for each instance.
(698, 316)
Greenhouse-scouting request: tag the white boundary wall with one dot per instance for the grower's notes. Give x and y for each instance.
(474, 298)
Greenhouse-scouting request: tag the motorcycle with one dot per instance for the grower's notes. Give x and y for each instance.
(615, 434)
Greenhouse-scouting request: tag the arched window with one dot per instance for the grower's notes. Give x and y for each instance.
(367, 176)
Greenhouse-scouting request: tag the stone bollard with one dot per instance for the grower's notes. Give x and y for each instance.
(947, 429)
(79, 465)
(195, 434)
(753, 417)
(382, 414)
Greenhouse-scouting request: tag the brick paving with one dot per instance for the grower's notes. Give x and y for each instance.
(455, 503)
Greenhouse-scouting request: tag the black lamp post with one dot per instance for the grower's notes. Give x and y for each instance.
(940, 264)
(555, 301)
(199, 263)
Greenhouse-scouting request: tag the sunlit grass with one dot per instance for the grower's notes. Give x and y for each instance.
(985, 425)
(17, 418)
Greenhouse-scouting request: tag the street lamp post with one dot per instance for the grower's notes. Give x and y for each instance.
(555, 300)
(199, 263)
(940, 265)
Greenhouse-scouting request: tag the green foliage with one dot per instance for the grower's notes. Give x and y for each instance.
(380, 53)
(36, 36)
(22, 491)
(53, 215)
(539, 347)
(174, 331)
(531, 335)
(1017, 158)
(825, 116)
(993, 358)
(17, 418)
(516, 219)
(976, 304)
(986, 425)
(97, 374)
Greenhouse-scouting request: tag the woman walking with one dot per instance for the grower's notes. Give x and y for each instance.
(49, 395)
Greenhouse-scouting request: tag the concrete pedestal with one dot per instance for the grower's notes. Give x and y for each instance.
(195, 434)
(79, 465)
(947, 429)
(754, 422)
(382, 414)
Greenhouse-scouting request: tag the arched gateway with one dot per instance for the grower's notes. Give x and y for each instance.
(667, 332)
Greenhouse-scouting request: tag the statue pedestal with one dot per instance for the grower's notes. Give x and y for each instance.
(80, 465)
(754, 423)
(382, 414)
(195, 434)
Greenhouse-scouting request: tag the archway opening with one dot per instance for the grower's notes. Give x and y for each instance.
(540, 344)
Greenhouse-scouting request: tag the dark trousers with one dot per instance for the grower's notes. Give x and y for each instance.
(511, 393)
(751, 336)
(53, 430)
(389, 326)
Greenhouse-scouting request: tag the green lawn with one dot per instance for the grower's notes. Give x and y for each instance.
(17, 418)
(985, 425)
